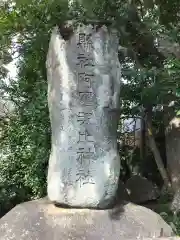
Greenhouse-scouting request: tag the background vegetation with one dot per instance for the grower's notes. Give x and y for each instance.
(149, 52)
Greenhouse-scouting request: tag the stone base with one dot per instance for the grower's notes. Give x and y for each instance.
(41, 220)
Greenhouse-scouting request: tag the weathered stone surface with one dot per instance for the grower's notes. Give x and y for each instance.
(163, 238)
(39, 220)
(83, 95)
(141, 190)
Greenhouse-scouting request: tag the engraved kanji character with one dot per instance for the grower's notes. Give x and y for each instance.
(85, 137)
(84, 81)
(84, 61)
(82, 117)
(86, 98)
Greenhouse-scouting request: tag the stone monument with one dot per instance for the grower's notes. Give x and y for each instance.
(83, 74)
(83, 94)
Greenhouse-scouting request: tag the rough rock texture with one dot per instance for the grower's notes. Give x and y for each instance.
(40, 220)
(141, 190)
(83, 96)
(163, 238)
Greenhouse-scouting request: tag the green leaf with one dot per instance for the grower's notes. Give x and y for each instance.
(178, 113)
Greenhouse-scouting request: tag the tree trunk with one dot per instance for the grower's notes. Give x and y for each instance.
(155, 149)
(143, 139)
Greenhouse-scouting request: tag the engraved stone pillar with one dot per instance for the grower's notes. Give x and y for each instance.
(83, 74)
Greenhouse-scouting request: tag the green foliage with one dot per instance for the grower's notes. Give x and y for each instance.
(171, 219)
(151, 78)
(26, 135)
